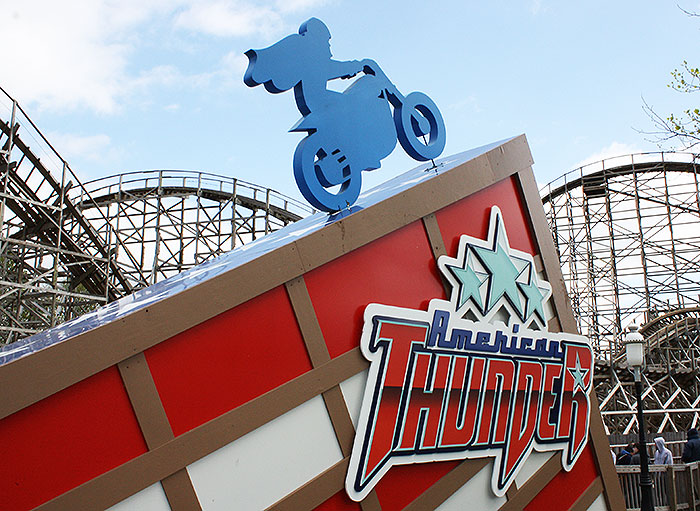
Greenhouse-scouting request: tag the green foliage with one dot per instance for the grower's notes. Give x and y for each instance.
(682, 127)
(686, 125)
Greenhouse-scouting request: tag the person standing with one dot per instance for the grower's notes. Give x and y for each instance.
(625, 455)
(691, 452)
(663, 455)
(636, 456)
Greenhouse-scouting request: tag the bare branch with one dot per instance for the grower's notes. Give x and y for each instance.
(689, 13)
(671, 129)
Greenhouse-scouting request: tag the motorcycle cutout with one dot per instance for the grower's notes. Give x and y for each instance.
(347, 132)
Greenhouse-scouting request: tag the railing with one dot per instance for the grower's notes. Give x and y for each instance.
(675, 487)
(122, 185)
(674, 442)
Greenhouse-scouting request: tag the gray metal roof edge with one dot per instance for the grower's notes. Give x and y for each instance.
(235, 258)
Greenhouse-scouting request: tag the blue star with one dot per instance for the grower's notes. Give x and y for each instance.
(533, 294)
(502, 269)
(578, 374)
(468, 284)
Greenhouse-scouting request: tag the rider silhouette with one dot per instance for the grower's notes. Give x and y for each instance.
(347, 132)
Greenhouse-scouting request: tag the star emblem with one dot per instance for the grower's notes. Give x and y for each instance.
(468, 284)
(487, 276)
(578, 374)
(535, 295)
(502, 267)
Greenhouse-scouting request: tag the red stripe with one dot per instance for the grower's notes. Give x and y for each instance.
(471, 216)
(227, 361)
(566, 487)
(398, 269)
(65, 440)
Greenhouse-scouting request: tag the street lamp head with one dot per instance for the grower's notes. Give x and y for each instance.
(634, 347)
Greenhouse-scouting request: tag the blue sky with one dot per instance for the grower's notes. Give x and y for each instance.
(144, 84)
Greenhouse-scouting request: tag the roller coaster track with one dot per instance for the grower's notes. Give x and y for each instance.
(171, 220)
(68, 247)
(672, 393)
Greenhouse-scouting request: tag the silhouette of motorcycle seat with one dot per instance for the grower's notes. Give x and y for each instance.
(365, 134)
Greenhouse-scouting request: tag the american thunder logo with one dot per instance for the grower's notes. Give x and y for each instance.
(455, 382)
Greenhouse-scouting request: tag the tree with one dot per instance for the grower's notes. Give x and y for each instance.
(684, 127)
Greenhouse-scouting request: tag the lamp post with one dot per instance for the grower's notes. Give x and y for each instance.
(634, 348)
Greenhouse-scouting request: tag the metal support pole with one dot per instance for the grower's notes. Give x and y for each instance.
(644, 479)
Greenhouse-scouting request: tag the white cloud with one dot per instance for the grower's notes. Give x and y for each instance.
(81, 54)
(231, 69)
(298, 5)
(71, 54)
(228, 73)
(71, 146)
(226, 18)
(235, 62)
(613, 150)
(230, 18)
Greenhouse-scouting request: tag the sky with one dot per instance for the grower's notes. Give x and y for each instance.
(129, 85)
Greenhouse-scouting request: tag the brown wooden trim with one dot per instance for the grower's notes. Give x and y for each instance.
(180, 493)
(318, 352)
(547, 250)
(432, 229)
(371, 502)
(333, 398)
(534, 485)
(155, 428)
(307, 321)
(162, 461)
(601, 451)
(505, 162)
(340, 417)
(437, 244)
(553, 325)
(316, 491)
(320, 489)
(145, 400)
(71, 361)
(447, 485)
(588, 497)
(564, 313)
(66, 363)
(539, 264)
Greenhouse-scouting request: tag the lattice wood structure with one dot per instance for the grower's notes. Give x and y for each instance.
(628, 236)
(167, 221)
(67, 248)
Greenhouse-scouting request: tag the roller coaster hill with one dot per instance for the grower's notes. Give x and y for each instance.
(626, 230)
(68, 247)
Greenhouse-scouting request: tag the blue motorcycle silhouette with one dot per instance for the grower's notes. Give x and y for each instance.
(347, 132)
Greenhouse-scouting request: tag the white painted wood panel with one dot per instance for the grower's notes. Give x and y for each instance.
(263, 466)
(149, 499)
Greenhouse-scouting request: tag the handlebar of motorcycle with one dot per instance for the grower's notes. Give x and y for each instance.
(371, 67)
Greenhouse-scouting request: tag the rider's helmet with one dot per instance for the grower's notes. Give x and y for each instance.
(319, 36)
(315, 28)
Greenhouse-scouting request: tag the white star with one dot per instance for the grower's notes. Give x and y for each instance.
(578, 374)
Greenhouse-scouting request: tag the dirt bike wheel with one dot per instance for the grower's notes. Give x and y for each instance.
(312, 183)
(420, 127)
